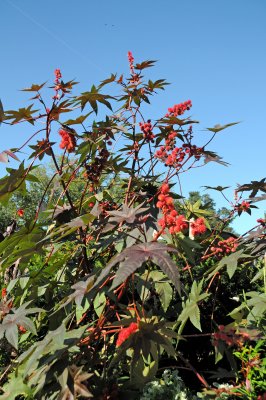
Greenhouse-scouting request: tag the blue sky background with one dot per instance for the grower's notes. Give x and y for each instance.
(212, 51)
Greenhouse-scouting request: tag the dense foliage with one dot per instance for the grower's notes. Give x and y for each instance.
(110, 278)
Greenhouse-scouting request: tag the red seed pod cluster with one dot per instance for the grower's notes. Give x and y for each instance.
(193, 150)
(22, 329)
(106, 206)
(171, 220)
(4, 293)
(126, 332)
(94, 170)
(230, 336)
(225, 247)
(68, 141)
(171, 157)
(146, 128)
(175, 156)
(179, 109)
(198, 227)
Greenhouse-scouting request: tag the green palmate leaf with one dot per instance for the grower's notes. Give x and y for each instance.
(15, 387)
(10, 323)
(21, 245)
(12, 182)
(34, 88)
(218, 188)
(255, 303)
(165, 292)
(78, 120)
(93, 97)
(218, 127)
(230, 262)
(99, 303)
(190, 307)
(133, 257)
(145, 64)
(23, 114)
(108, 80)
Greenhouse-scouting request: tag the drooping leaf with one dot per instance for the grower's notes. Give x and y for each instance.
(78, 120)
(165, 292)
(3, 157)
(108, 80)
(218, 127)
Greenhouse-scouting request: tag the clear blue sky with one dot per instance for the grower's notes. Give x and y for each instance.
(212, 51)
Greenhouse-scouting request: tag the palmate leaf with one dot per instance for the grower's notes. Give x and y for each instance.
(230, 262)
(253, 186)
(23, 114)
(15, 387)
(218, 188)
(92, 98)
(218, 127)
(190, 307)
(78, 120)
(34, 87)
(133, 257)
(127, 214)
(76, 377)
(10, 323)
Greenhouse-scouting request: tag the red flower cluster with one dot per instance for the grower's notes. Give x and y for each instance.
(125, 333)
(146, 128)
(179, 109)
(58, 76)
(230, 337)
(171, 220)
(20, 212)
(244, 206)
(198, 227)
(4, 293)
(130, 60)
(57, 87)
(225, 247)
(68, 141)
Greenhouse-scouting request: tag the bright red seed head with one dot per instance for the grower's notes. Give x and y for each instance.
(20, 212)
(125, 333)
